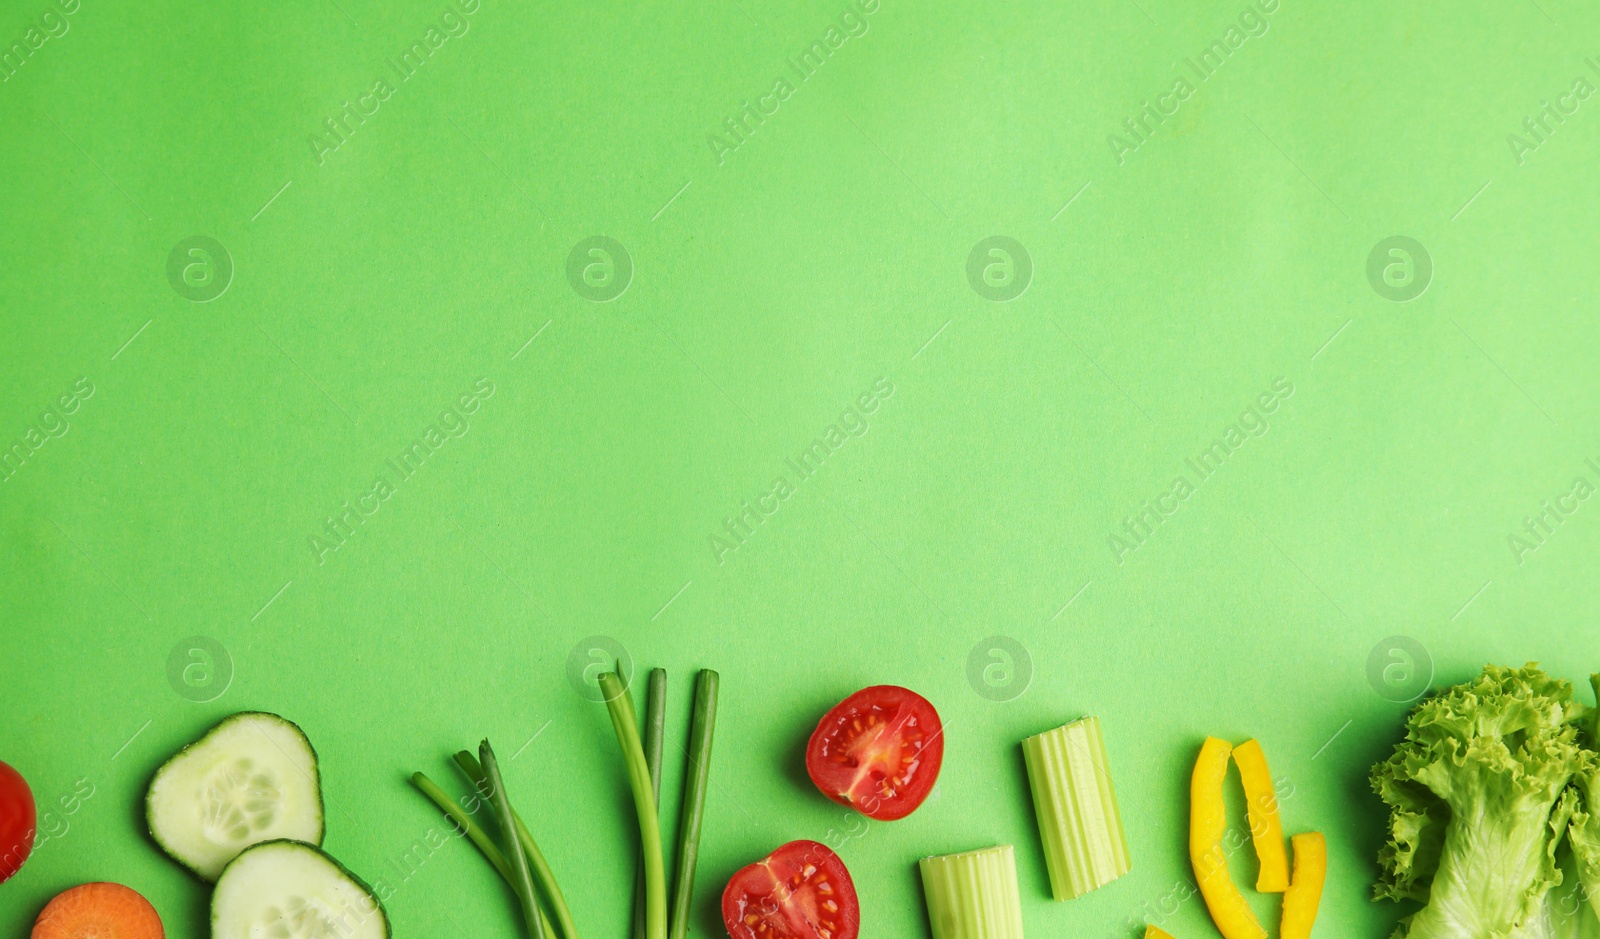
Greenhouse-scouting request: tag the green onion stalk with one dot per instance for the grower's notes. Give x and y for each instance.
(516, 860)
(619, 703)
(655, 719)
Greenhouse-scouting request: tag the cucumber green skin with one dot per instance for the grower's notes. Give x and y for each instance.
(366, 888)
(316, 778)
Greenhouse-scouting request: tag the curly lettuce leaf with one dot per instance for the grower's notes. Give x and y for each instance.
(1565, 912)
(1584, 830)
(1473, 792)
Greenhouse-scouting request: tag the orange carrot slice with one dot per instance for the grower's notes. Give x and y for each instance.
(1261, 802)
(106, 911)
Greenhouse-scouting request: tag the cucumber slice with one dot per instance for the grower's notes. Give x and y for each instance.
(292, 890)
(251, 778)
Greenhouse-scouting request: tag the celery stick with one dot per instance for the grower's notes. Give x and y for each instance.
(973, 895)
(1084, 844)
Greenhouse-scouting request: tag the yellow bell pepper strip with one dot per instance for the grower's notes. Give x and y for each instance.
(1156, 932)
(1305, 891)
(1208, 822)
(1266, 830)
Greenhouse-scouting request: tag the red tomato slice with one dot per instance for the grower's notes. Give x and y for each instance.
(878, 751)
(800, 891)
(17, 821)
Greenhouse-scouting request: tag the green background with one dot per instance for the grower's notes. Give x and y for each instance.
(829, 250)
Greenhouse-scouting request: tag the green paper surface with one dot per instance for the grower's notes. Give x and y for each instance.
(1194, 447)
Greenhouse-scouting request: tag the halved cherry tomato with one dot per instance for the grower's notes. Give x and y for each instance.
(878, 751)
(800, 891)
(17, 821)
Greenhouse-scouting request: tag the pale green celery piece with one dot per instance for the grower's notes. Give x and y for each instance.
(1084, 844)
(973, 895)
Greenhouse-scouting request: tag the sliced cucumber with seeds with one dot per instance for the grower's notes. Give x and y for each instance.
(292, 890)
(251, 778)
